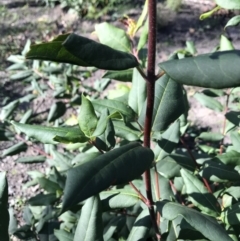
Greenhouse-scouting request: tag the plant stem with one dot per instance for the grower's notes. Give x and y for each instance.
(152, 12)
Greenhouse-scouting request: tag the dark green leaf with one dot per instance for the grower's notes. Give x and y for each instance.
(217, 70)
(125, 75)
(57, 110)
(112, 168)
(218, 172)
(233, 117)
(90, 225)
(74, 49)
(15, 149)
(46, 134)
(231, 158)
(199, 195)
(231, 214)
(43, 199)
(141, 227)
(206, 225)
(213, 92)
(113, 226)
(113, 37)
(4, 217)
(138, 92)
(168, 104)
(84, 157)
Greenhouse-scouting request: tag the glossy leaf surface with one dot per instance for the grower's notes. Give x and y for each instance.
(216, 70)
(116, 167)
(78, 50)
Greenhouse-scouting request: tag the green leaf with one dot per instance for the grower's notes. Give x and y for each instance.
(46, 134)
(114, 226)
(90, 225)
(234, 21)
(231, 4)
(233, 191)
(21, 75)
(168, 104)
(138, 92)
(84, 157)
(235, 138)
(113, 37)
(217, 70)
(211, 136)
(101, 123)
(166, 192)
(125, 131)
(231, 158)
(78, 50)
(218, 172)
(116, 167)
(106, 141)
(25, 118)
(202, 223)
(170, 166)
(4, 218)
(43, 199)
(213, 92)
(63, 235)
(168, 141)
(118, 199)
(115, 106)
(208, 102)
(31, 159)
(8, 109)
(124, 75)
(233, 117)
(199, 195)
(87, 117)
(141, 227)
(231, 214)
(225, 44)
(15, 149)
(48, 185)
(12, 222)
(57, 110)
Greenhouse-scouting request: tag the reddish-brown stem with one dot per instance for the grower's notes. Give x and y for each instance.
(152, 14)
(196, 164)
(36, 148)
(176, 192)
(139, 193)
(94, 144)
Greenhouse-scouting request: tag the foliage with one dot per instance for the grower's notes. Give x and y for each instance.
(94, 189)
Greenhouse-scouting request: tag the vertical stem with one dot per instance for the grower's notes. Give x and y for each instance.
(152, 12)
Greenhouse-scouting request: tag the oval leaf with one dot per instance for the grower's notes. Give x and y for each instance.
(116, 167)
(216, 70)
(202, 223)
(230, 4)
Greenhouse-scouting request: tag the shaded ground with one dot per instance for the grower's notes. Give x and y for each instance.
(19, 22)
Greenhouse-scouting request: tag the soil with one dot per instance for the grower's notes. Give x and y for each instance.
(20, 21)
